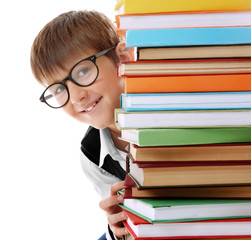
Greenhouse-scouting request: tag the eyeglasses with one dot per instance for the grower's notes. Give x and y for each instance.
(84, 73)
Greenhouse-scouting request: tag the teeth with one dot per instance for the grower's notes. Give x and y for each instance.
(91, 107)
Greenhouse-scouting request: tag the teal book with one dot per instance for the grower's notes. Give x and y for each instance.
(175, 210)
(185, 101)
(186, 136)
(188, 37)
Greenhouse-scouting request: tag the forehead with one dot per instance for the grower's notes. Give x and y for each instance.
(59, 73)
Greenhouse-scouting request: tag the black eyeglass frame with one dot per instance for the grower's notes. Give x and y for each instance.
(69, 77)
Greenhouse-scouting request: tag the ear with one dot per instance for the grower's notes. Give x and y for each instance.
(124, 54)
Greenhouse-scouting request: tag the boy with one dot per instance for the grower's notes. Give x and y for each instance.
(75, 57)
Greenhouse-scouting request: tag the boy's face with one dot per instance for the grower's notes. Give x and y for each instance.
(95, 104)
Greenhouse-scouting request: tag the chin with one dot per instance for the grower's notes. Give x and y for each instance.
(102, 125)
(99, 126)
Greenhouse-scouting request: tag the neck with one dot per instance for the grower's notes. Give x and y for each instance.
(115, 134)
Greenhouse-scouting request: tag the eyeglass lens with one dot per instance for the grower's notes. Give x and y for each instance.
(56, 95)
(83, 74)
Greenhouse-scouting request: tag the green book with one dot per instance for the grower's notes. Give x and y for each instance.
(186, 136)
(175, 210)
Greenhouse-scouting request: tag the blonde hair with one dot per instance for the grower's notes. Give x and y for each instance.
(66, 37)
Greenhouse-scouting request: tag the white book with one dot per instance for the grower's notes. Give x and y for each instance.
(171, 210)
(188, 20)
(186, 101)
(199, 118)
(192, 229)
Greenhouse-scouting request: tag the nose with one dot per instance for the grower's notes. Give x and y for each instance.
(77, 93)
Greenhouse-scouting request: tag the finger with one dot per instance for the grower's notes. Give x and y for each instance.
(111, 202)
(116, 187)
(119, 231)
(116, 218)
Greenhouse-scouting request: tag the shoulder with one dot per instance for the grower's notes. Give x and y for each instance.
(98, 177)
(102, 159)
(91, 138)
(90, 168)
(90, 144)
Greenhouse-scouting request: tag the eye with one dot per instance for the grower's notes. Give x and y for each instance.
(83, 72)
(59, 90)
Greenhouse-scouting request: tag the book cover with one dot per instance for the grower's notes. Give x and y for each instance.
(187, 20)
(186, 136)
(148, 6)
(222, 227)
(188, 36)
(188, 83)
(174, 119)
(184, 67)
(132, 236)
(161, 53)
(185, 101)
(167, 164)
(177, 210)
(134, 190)
(215, 152)
(190, 174)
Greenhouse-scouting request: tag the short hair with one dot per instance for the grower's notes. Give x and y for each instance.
(66, 37)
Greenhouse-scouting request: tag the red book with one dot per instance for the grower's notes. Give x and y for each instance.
(141, 229)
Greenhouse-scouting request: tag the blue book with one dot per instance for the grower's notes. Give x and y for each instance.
(185, 101)
(188, 37)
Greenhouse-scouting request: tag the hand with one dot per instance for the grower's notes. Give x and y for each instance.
(114, 214)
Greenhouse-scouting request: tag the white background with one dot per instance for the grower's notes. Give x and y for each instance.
(43, 192)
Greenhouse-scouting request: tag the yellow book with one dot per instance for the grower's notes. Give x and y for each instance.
(157, 6)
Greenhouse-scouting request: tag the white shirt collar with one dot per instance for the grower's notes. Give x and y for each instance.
(107, 147)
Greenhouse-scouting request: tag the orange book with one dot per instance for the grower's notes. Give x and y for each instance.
(188, 83)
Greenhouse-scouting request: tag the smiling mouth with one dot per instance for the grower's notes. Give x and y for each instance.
(92, 106)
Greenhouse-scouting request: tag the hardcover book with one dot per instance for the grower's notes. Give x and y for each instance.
(186, 136)
(134, 190)
(194, 119)
(162, 53)
(188, 37)
(187, 210)
(185, 101)
(183, 20)
(141, 228)
(185, 67)
(157, 6)
(188, 83)
(190, 174)
(210, 152)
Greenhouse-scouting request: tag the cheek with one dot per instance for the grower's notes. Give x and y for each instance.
(110, 82)
(115, 91)
(69, 109)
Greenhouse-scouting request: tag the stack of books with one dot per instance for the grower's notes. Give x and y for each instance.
(186, 114)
